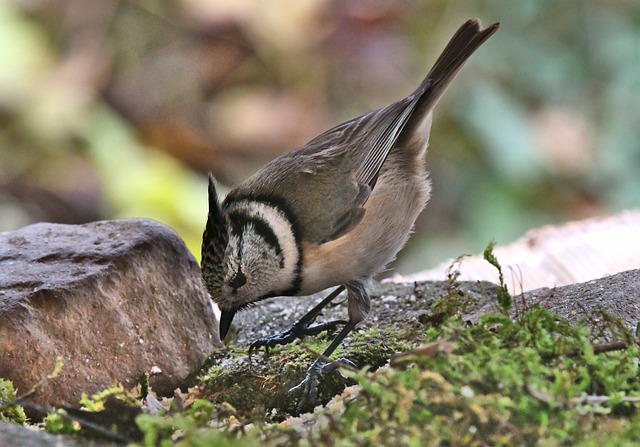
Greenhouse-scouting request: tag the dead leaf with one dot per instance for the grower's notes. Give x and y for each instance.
(428, 351)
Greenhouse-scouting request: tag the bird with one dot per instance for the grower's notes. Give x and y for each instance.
(331, 213)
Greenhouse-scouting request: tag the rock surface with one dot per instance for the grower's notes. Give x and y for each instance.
(393, 306)
(618, 295)
(15, 435)
(398, 305)
(112, 299)
(403, 309)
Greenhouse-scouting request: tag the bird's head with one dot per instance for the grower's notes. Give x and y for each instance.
(243, 260)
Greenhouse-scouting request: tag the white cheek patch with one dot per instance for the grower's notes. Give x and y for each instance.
(283, 231)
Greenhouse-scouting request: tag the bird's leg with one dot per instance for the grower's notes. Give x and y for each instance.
(359, 305)
(302, 327)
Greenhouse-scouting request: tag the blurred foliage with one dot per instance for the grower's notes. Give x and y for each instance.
(118, 109)
(9, 412)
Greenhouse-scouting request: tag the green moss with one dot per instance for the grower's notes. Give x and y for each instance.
(507, 382)
(8, 411)
(193, 427)
(373, 347)
(58, 423)
(503, 297)
(251, 385)
(257, 386)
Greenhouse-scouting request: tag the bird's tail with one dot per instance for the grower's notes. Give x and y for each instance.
(462, 45)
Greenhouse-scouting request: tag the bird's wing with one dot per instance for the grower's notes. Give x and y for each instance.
(326, 183)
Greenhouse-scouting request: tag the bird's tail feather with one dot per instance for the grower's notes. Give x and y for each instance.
(462, 45)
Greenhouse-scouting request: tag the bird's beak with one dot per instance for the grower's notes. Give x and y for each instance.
(226, 317)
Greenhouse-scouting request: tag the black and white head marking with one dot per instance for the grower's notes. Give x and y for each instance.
(263, 256)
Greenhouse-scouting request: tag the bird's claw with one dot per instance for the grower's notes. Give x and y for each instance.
(307, 390)
(300, 329)
(267, 343)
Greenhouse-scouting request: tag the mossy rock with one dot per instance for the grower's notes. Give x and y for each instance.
(260, 383)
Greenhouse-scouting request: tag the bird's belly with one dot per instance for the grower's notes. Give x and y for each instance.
(391, 212)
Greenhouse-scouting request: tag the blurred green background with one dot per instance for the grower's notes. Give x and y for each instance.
(114, 109)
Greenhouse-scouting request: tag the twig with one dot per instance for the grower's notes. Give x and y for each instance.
(537, 394)
(548, 399)
(424, 351)
(484, 293)
(97, 428)
(602, 348)
(608, 347)
(602, 399)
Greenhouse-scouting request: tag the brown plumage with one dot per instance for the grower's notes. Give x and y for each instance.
(333, 212)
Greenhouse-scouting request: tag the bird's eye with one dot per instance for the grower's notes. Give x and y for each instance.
(238, 280)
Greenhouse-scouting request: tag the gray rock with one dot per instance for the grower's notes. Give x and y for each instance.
(397, 305)
(393, 305)
(112, 298)
(618, 295)
(15, 435)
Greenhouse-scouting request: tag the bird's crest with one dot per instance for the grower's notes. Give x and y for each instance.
(215, 238)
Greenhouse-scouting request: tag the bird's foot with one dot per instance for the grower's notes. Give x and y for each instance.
(300, 329)
(307, 390)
